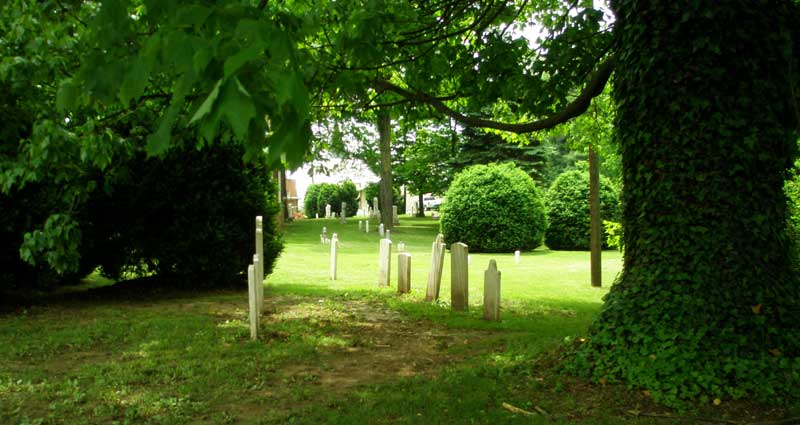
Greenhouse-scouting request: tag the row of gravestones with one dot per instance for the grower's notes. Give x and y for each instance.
(376, 213)
(459, 274)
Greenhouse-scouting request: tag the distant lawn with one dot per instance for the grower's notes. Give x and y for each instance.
(340, 351)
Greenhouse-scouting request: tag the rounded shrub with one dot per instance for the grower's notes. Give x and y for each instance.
(567, 203)
(493, 208)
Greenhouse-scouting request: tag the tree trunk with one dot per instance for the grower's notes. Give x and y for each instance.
(421, 205)
(277, 176)
(385, 135)
(595, 229)
(284, 196)
(707, 304)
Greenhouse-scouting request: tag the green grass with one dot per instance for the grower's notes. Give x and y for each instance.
(341, 351)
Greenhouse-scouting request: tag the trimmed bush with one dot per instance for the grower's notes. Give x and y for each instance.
(348, 193)
(493, 208)
(567, 204)
(328, 193)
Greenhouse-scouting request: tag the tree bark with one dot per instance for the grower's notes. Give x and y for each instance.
(385, 147)
(595, 229)
(421, 205)
(708, 296)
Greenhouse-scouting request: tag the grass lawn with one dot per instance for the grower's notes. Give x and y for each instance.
(341, 351)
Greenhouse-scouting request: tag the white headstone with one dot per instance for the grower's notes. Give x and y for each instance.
(334, 249)
(260, 264)
(316, 215)
(360, 225)
(389, 234)
(404, 273)
(395, 217)
(381, 233)
(435, 272)
(384, 262)
(328, 211)
(459, 276)
(259, 286)
(516, 256)
(366, 226)
(325, 231)
(401, 247)
(491, 292)
(251, 286)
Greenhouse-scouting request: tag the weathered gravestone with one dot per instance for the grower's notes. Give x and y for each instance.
(260, 266)
(366, 226)
(459, 276)
(403, 273)
(491, 292)
(384, 262)
(395, 217)
(334, 252)
(401, 247)
(381, 233)
(327, 210)
(251, 285)
(360, 225)
(389, 234)
(259, 286)
(516, 256)
(435, 272)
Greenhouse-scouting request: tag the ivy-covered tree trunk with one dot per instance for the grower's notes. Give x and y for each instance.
(707, 305)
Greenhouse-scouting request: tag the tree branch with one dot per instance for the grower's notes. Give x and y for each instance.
(578, 106)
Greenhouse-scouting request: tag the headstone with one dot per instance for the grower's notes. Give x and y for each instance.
(325, 231)
(251, 285)
(384, 262)
(389, 234)
(395, 217)
(260, 264)
(360, 225)
(403, 273)
(401, 247)
(375, 204)
(322, 238)
(366, 226)
(491, 292)
(334, 249)
(327, 210)
(459, 276)
(435, 272)
(381, 233)
(516, 256)
(343, 214)
(259, 286)
(316, 215)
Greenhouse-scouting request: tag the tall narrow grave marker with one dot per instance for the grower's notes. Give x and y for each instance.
(384, 262)
(459, 276)
(435, 272)
(251, 285)
(334, 249)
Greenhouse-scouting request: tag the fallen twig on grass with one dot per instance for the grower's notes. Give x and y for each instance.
(515, 409)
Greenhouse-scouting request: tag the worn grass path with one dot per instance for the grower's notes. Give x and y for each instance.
(340, 351)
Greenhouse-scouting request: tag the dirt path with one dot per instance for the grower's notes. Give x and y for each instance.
(381, 344)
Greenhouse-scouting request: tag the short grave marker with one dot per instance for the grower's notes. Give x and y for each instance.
(403, 273)
(491, 292)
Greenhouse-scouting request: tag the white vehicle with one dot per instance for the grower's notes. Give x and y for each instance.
(431, 202)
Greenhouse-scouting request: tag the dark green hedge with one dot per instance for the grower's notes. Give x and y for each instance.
(567, 203)
(493, 208)
(319, 195)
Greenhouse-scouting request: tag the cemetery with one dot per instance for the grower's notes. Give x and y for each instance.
(383, 211)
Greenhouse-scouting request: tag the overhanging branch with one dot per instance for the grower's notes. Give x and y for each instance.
(576, 107)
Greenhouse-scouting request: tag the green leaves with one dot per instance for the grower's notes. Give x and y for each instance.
(135, 81)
